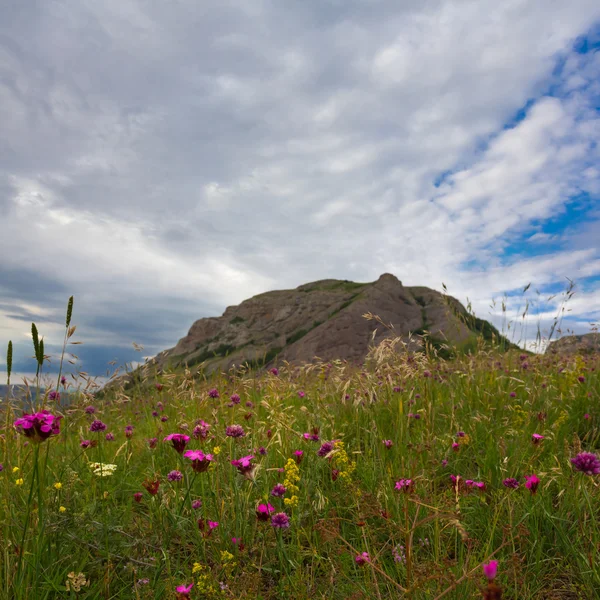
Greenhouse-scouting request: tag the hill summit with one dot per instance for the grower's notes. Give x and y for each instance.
(324, 319)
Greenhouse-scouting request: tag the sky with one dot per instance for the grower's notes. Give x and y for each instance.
(160, 161)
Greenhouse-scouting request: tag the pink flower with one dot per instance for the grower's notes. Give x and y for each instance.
(200, 461)
(184, 590)
(244, 465)
(234, 431)
(490, 569)
(388, 443)
(280, 521)
(362, 559)
(179, 441)
(536, 438)
(532, 483)
(455, 446)
(38, 426)
(213, 525)
(298, 455)
(138, 496)
(263, 511)
(404, 485)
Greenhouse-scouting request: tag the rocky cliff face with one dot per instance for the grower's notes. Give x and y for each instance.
(322, 319)
(588, 343)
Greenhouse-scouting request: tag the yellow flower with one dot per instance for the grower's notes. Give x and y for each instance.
(226, 556)
(15, 469)
(105, 495)
(217, 450)
(57, 485)
(62, 509)
(19, 481)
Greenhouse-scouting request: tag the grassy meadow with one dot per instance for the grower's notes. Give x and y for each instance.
(398, 479)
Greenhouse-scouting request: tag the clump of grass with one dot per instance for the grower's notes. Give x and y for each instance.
(397, 478)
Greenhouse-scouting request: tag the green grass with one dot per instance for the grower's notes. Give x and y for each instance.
(345, 504)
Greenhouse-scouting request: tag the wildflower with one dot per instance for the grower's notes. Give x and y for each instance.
(143, 581)
(513, 394)
(262, 451)
(536, 438)
(164, 419)
(586, 463)
(313, 437)
(128, 431)
(511, 483)
(274, 371)
(151, 486)
(200, 461)
(197, 504)
(280, 520)
(362, 559)
(460, 434)
(214, 393)
(1, 467)
(234, 431)
(110, 437)
(97, 426)
(399, 554)
(586, 416)
(62, 509)
(102, 469)
(532, 483)
(57, 485)
(158, 386)
(388, 443)
(444, 463)
(138, 496)
(155, 413)
(152, 442)
(76, 582)
(325, 449)
(490, 569)
(85, 444)
(54, 396)
(213, 525)
(38, 426)
(63, 380)
(175, 476)
(179, 440)
(278, 491)
(455, 446)
(184, 590)
(335, 473)
(404, 485)
(201, 430)
(90, 410)
(249, 404)
(244, 465)
(19, 481)
(217, 450)
(581, 379)
(301, 394)
(298, 456)
(263, 511)
(15, 469)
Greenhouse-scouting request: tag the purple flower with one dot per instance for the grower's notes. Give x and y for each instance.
(234, 431)
(388, 443)
(511, 483)
(274, 371)
(53, 396)
(197, 504)
(249, 404)
(244, 465)
(155, 413)
(444, 462)
(63, 380)
(313, 437)
(164, 418)
(179, 441)
(235, 398)
(460, 434)
(85, 444)
(97, 426)
(214, 393)
(152, 442)
(280, 520)
(362, 559)
(110, 437)
(128, 431)
(38, 426)
(586, 463)
(200, 461)
(278, 491)
(201, 430)
(175, 476)
(325, 449)
(263, 511)
(90, 410)
(262, 451)
(490, 569)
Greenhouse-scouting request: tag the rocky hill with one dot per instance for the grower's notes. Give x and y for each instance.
(587, 343)
(323, 319)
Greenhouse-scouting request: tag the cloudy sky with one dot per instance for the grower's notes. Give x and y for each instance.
(162, 160)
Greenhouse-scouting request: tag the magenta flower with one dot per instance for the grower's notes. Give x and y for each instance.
(184, 590)
(280, 520)
(214, 393)
(234, 431)
(298, 456)
(244, 465)
(200, 461)
(274, 371)
(85, 444)
(313, 437)
(460, 434)
(90, 410)
(278, 491)
(263, 511)
(201, 430)
(110, 437)
(404, 485)
(586, 463)
(301, 394)
(128, 431)
(235, 398)
(175, 476)
(362, 559)
(54, 396)
(536, 438)
(138, 496)
(97, 426)
(490, 569)
(38, 426)
(197, 504)
(179, 441)
(511, 483)
(532, 483)
(455, 446)
(213, 525)
(325, 449)
(586, 416)
(388, 443)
